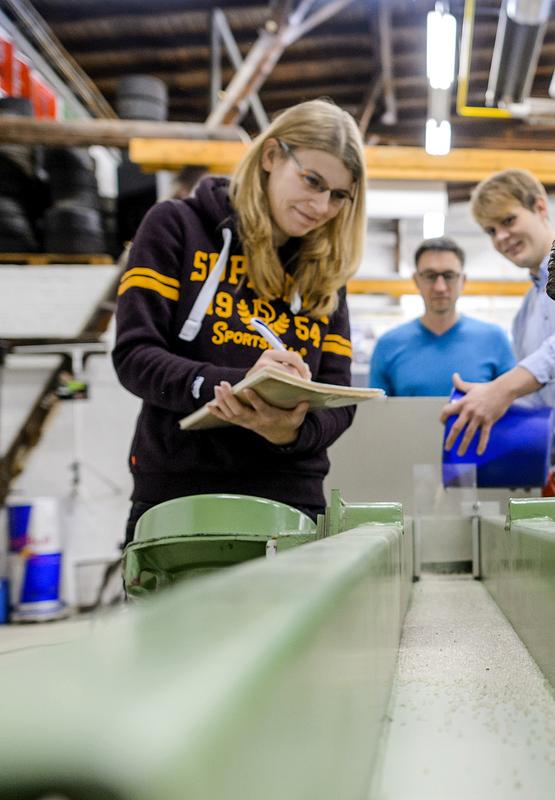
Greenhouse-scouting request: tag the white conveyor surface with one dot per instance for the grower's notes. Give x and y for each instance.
(471, 715)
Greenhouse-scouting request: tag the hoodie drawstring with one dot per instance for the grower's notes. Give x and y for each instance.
(192, 324)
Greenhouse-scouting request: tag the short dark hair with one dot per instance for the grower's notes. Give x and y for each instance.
(441, 244)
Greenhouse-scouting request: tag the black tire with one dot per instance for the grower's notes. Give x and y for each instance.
(16, 232)
(141, 108)
(146, 86)
(14, 181)
(77, 195)
(72, 176)
(21, 155)
(81, 188)
(68, 159)
(69, 228)
(142, 97)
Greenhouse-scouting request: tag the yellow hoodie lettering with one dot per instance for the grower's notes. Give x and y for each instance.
(224, 334)
(204, 263)
(237, 268)
(200, 266)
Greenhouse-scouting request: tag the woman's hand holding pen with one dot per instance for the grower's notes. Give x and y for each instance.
(276, 425)
(279, 356)
(287, 360)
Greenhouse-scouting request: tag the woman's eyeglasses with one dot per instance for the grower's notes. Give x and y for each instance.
(313, 182)
(429, 276)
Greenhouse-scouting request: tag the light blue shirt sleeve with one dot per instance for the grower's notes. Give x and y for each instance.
(541, 363)
(534, 337)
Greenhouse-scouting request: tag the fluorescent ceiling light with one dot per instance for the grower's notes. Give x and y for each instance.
(441, 45)
(438, 137)
(433, 224)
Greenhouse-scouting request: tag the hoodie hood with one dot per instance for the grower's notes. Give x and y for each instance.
(211, 202)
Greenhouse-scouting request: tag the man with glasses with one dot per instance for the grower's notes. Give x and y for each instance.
(420, 357)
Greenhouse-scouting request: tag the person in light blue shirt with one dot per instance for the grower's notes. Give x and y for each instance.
(420, 357)
(511, 206)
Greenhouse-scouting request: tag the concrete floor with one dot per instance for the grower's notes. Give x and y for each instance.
(471, 715)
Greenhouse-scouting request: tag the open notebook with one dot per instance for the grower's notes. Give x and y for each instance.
(284, 390)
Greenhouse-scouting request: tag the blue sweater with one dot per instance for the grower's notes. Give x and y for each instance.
(410, 360)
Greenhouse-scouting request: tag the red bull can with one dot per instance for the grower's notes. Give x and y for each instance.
(35, 560)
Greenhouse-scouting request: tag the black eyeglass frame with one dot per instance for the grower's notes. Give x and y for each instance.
(337, 196)
(449, 276)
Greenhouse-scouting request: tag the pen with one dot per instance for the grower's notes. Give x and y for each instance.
(271, 337)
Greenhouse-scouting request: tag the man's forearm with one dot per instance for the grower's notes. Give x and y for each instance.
(517, 382)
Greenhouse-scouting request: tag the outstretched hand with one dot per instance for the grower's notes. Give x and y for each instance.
(482, 405)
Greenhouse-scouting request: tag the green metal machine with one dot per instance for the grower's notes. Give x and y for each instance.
(268, 680)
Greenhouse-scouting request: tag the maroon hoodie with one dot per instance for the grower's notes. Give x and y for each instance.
(173, 252)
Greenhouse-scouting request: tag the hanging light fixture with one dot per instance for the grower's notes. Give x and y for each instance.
(440, 69)
(441, 40)
(438, 137)
(518, 42)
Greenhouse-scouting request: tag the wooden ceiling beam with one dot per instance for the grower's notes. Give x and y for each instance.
(399, 287)
(107, 132)
(117, 27)
(184, 54)
(285, 73)
(264, 55)
(384, 163)
(277, 98)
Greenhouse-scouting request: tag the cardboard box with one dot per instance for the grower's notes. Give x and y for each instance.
(21, 84)
(44, 99)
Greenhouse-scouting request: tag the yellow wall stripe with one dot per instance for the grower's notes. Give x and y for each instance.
(148, 283)
(330, 347)
(153, 274)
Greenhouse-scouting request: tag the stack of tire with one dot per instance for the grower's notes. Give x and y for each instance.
(138, 97)
(73, 224)
(142, 97)
(17, 187)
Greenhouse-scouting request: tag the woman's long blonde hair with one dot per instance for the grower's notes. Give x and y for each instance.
(329, 255)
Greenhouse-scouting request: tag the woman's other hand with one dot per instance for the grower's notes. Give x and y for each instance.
(276, 425)
(287, 360)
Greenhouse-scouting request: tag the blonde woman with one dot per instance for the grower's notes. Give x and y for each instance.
(279, 241)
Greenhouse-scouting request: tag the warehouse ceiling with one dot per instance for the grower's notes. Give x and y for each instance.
(369, 56)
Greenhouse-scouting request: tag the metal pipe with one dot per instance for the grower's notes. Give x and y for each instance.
(464, 110)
